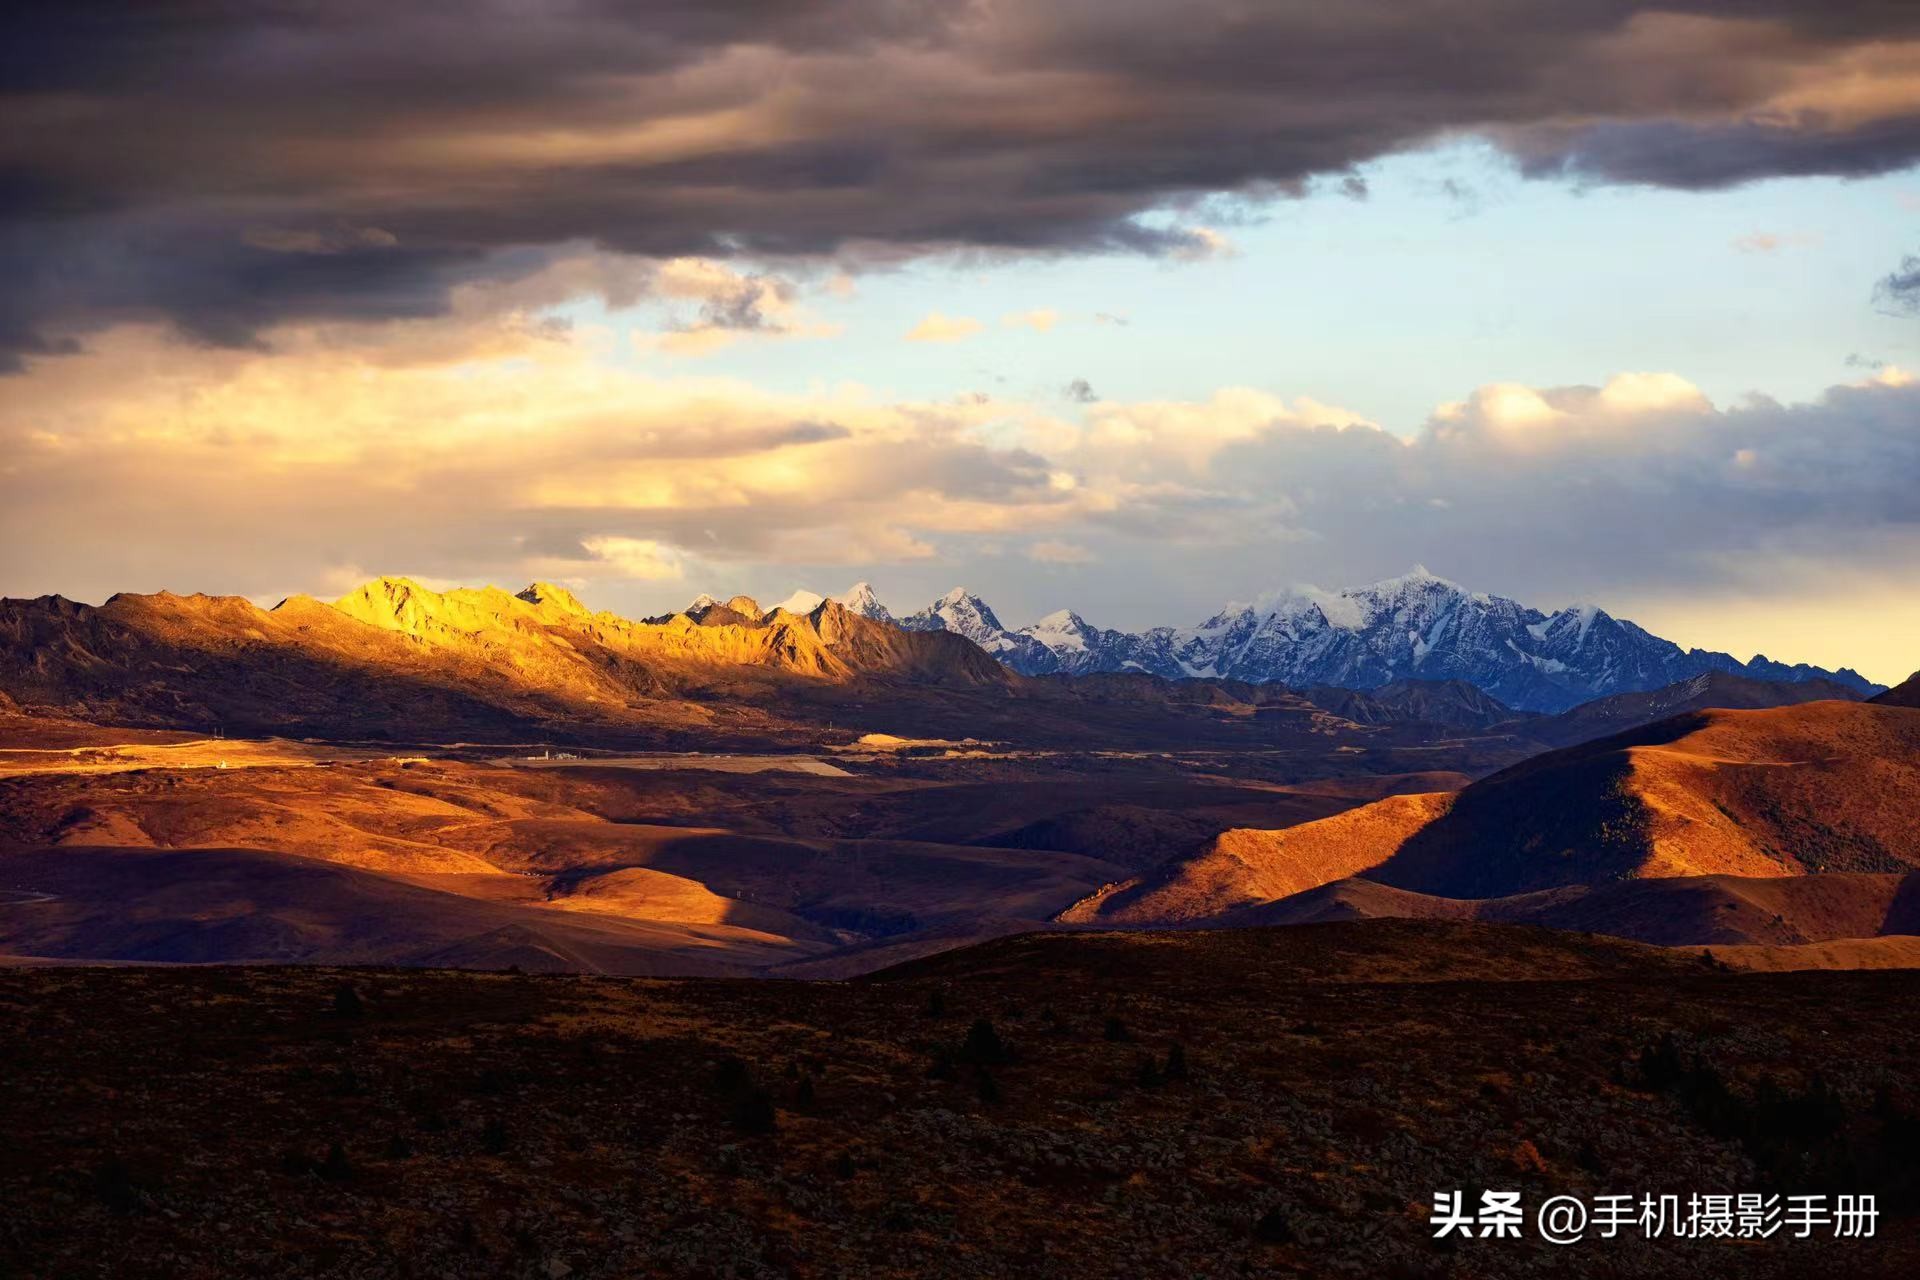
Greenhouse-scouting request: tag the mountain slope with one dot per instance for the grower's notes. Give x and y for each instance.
(395, 659)
(242, 905)
(1773, 911)
(1242, 867)
(1623, 711)
(1904, 694)
(1825, 786)
(1442, 702)
(1789, 791)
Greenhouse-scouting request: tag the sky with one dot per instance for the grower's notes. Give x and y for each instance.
(1130, 308)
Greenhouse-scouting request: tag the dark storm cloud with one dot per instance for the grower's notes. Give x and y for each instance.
(1705, 157)
(226, 166)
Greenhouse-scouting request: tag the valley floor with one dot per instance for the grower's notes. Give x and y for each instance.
(121, 845)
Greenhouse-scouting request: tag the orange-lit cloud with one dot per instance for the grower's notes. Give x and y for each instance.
(732, 305)
(1773, 242)
(1053, 551)
(496, 448)
(1039, 319)
(937, 327)
(635, 558)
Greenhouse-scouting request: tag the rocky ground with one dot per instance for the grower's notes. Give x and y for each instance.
(1257, 1102)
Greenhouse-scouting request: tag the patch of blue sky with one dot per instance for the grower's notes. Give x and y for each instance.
(1452, 272)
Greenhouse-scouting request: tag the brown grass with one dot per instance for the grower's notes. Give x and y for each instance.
(183, 1121)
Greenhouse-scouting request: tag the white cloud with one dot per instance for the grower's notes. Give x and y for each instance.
(1523, 417)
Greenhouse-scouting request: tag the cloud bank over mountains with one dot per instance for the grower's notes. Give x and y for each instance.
(140, 465)
(208, 165)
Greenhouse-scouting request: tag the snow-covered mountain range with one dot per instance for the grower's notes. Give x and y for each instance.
(1416, 626)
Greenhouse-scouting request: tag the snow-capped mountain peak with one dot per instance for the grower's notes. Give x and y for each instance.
(1061, 630)
(801, 601)
(962, 612)
(1415, 626)
(1417, 578)
(1337, 608)
(861, 599)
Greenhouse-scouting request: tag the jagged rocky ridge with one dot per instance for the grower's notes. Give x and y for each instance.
(395, 659)
(1414, 627)
(476, 660)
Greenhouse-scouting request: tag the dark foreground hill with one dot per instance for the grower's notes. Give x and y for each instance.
(1904, 694)
(1825, 786)
(1723, 690)
(1859, 920)
(1011, 1109)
